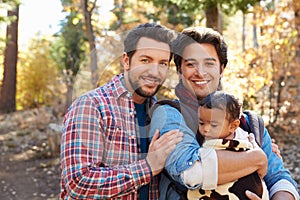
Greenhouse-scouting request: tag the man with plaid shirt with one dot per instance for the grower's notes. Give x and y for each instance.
(104, 147)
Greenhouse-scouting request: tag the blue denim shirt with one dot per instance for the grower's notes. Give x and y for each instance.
(166, 118)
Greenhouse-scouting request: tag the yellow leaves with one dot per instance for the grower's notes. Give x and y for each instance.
(75, 21)
(37, 76)
(269, 75)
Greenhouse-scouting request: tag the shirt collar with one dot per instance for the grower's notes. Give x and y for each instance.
(118, 83)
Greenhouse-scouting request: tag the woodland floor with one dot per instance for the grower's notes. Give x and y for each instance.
(28, 171)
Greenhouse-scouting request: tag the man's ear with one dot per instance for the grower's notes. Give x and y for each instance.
(222, 70)
(125, 61)
(234, 125)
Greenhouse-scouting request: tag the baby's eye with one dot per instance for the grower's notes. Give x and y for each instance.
(201, 123)
(214, 125)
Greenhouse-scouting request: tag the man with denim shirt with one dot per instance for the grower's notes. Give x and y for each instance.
(200, 56)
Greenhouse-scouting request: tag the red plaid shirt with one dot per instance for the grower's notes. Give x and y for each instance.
(99, 153)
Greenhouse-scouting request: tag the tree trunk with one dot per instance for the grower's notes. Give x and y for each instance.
(213, 18)
(91, 38)
(255, 42)
(244, 33)
(8, 90)
(69, 95)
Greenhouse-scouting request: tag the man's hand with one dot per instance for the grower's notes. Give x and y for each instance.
(160, 148)
(252, 195)
(275, 149)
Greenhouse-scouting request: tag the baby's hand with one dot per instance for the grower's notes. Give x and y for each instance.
(262, 171)
(252, 140)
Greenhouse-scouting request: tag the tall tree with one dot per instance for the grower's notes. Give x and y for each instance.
(88, 8)
(8, 89)
(69, 52)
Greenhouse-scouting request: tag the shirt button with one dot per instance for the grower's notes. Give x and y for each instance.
(190, 163)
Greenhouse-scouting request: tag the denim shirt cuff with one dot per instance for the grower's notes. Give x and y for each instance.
(209, 162)
(284, 185)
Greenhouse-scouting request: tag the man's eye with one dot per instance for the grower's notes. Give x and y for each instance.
(191, 64)
(164, 65)
(145, 61)
(210, 64)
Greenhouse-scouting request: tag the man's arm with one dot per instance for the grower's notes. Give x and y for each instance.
(227, 170)
(234, 165)
(258, 163)
(188, 159)
(283, 195)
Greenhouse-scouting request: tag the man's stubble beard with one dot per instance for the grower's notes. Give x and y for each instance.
(138, 89)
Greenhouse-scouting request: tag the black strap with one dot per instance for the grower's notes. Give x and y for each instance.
(255, 125)
(179, 189)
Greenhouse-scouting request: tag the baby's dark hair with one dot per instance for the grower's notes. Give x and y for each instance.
(223, 101)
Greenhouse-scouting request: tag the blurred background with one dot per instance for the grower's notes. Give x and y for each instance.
(53, 51)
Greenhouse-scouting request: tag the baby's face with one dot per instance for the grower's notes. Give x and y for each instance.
(213, 123)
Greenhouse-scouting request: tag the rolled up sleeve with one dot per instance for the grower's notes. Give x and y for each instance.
(187, 156)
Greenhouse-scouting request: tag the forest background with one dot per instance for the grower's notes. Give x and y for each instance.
(39, 82)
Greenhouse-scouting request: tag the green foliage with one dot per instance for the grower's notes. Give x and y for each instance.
(178, 12)
(69, 49)
(230, 7)
(186, 12)
(38, 81)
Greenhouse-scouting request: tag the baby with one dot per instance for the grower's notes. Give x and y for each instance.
(219, 122)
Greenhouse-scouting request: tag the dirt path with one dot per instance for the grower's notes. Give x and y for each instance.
(26, 179)
(26, 172)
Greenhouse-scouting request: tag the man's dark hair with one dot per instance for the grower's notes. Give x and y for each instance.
(199, 35)
(224, 101)
(149, 30)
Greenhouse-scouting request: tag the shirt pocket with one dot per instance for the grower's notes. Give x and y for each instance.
(117, 146)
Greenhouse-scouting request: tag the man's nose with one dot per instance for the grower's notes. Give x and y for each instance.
(200, 69)
(154, 68)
